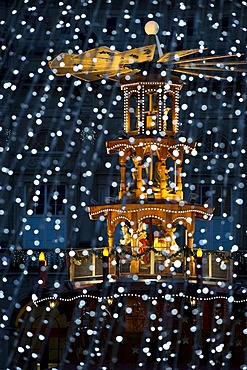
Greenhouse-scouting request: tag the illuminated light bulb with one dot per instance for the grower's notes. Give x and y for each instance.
(199, 252)
(151, 28)
(42, 258)
(105, 252)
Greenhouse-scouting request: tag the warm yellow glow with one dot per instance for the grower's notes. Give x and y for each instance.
(199, 252)
(101, 62)
(52, 304)
(151, 28)
(193, 301)
(41, 256)
(109, 301)
(105, 252)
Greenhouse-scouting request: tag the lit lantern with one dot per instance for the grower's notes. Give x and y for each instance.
(199, 253)
(106, 252)
(43, 272)
(105, 264)
(42, 259)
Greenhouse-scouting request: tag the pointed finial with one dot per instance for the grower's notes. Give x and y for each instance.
(151, 28)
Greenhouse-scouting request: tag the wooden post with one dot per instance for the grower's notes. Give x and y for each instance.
(110, 241)
(93, 261)
(43, 270)
(134, 266)
(152, 262)
(199, 277)
(105, 264)
(122, 189)
(139, 175)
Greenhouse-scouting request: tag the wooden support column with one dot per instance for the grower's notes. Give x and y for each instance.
(139, 175)
(151, 166)
(190, 242)
(110, 241)
(175, 174)
(179, 180)
(192, 262)
(190, 229)
(163, 178)
(122, 190)
(126, 110)
(134, 265)
(134, 242)
(179, 184)
(150, 234)
(110, 231)
(137, 159)
(163, 174)
(186, 237)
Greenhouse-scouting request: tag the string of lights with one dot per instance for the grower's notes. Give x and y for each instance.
(230, 299)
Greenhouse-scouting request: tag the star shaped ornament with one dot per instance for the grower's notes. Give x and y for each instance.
(135, 350)
(185, 340)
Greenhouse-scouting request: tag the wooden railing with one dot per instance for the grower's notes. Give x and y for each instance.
(87, 264)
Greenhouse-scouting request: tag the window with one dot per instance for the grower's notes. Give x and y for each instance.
(45, 199)
(224, 24)
(44, 141)
(218, 232)
(53, 352)
(190, 27)
(65, 24)
(214, 152)
(30, 21)
(113, 191)
(216, 196)
(212, 144)
(46, 221)
(137, 319)
(111, 25)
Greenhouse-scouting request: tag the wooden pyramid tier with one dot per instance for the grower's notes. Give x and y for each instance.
(150, 146)
(161, 217)
(151, 152)
(147, 160)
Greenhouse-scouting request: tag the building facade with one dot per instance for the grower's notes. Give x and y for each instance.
(55, 172)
